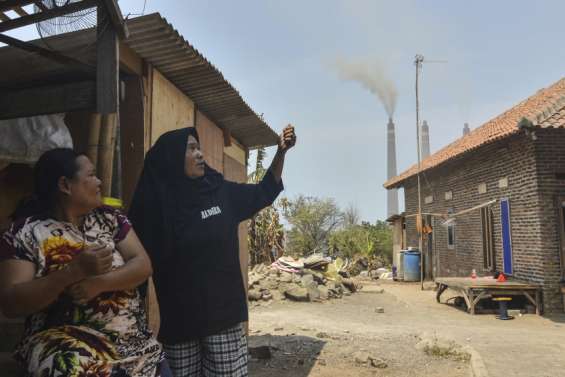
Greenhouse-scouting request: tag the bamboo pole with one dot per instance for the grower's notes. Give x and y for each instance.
(93, 138)
(106, 151)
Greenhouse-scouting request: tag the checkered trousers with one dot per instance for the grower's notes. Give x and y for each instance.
(223, 354)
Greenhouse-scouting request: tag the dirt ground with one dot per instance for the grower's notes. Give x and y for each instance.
(348, 337)
(334, 337)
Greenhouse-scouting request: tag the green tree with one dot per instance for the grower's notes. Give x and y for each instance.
(365, 239)
(312, 221)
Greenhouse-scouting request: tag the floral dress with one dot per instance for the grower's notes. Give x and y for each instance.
(106, 337)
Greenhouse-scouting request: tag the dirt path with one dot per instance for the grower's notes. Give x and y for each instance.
(346, 337)
(342, 331)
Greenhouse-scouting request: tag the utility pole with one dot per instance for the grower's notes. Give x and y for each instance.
(418, 62)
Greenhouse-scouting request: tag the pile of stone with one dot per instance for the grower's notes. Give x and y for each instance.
(367, 267)
(312, 279)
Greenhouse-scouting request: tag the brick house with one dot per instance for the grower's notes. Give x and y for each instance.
(513, 168)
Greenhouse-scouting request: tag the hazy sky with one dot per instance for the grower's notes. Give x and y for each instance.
(281, 56)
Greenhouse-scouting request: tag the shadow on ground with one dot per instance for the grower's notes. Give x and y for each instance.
(290, 355)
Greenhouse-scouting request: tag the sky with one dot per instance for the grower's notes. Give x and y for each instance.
(281, 56)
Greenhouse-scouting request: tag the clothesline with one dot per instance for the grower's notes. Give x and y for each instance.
(448, 216)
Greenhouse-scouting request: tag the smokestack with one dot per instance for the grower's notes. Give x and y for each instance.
(466, 129)
(425, 140)
(392, 194)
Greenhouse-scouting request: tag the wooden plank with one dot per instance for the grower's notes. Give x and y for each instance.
(132, 128)
(3, 17)
(107, 65)
(171, 109)
(483, 283)
(211, 141)
(45, 15)
(48, 54)
(48, 100)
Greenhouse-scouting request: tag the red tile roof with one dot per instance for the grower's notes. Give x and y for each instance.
(545, 109)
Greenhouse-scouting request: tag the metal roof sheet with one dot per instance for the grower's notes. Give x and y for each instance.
(157, 42)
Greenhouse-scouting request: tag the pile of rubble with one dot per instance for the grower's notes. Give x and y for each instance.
(312, 279)
(368, 268)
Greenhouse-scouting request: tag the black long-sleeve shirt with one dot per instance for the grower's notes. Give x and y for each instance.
(200, 287)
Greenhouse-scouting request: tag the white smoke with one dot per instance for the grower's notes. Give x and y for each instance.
(371, 76)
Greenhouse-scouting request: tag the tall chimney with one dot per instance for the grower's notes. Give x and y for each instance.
(392, 194)
(466, 129)
(425, 140)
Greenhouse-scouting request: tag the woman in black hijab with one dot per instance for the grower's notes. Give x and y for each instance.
(187, 217)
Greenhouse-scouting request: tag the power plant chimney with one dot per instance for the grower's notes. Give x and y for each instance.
(425, 140)
(392, 194)
(466, 129)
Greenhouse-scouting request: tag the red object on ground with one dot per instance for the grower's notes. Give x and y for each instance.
(501, 278)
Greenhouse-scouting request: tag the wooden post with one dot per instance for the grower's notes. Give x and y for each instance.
(93, 138)
(106, 152)
(107, 72)
(106, 64)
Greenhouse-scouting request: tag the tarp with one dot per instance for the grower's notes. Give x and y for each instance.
(23, 140)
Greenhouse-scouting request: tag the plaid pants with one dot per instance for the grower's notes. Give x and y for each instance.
(223, 354)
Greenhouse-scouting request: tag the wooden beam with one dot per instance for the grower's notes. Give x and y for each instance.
(116, 18)
(129, 60)
(21, 11)
(107, 65)
(45, 15)
(11, 4)
(48, 100)
(3, 17)
(40, 5)
(48, 54)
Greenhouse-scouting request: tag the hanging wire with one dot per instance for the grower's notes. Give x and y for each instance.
(138, 14)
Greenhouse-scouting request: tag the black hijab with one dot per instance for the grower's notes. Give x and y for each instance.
(164, 192)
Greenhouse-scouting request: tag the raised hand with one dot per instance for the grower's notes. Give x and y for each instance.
(287, 139)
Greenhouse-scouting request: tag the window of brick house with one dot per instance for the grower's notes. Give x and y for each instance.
(450, 232)
(487, 233)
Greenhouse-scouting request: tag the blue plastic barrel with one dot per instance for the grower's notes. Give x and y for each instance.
(412, 266)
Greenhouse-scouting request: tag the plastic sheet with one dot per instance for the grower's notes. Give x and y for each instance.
(23, 140)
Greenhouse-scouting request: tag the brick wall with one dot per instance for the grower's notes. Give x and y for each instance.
(550, 157)
(533, 219)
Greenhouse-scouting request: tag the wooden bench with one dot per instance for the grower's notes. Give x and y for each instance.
(474, 290)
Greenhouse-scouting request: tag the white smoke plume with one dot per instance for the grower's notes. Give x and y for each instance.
(371, 76)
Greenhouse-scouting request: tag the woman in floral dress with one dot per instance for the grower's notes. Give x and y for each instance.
(73, 268)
